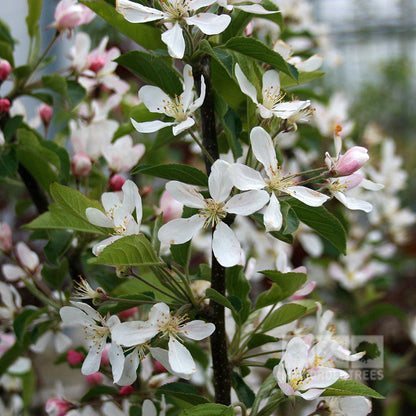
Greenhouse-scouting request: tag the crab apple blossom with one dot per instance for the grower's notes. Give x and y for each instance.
(245, 6)
(272, 99)
(96, 330)
(28, 264)
(170, 207)
(80, 165)
(94, 379)
(4, 105)
(58, 407)
(117, 214)
(176, 12)
(74, 357)
(70, 14)
(116, 182)
(5, 69)
(180, 107)
(5, 237)
(45, 113)
(246, 178)
(212, 211)
(347, 406)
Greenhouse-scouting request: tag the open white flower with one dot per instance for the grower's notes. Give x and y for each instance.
(348, 406)
(272, 99)
(180, 107)
(212, 211)
(118, 214)
(246, 6)
(96, 330)
(298, 373)
(176, 12)
(246, 178)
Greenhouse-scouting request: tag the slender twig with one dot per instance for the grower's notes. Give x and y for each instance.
(198, 142)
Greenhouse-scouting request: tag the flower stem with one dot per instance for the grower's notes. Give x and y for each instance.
(205, 151)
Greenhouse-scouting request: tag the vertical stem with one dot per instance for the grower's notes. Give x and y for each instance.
(220, 362)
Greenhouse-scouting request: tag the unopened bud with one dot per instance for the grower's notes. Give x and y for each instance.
(94, 379)
(117, 182)
(248, 31)
(97, 63)
(57, 407)
(105, 359)
(128, 313)
(74, 357)
(5, 69)
(81, 165)
(353, 159)
(158, 368)
(126, 391)
(45, 112)
(5, 237)
(4, 105)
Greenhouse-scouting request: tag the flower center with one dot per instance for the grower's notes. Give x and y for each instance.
(278, 183)
(297, 378)
(175, 109)
(176, 9)
(213, 212)
(170, 324)
(336, 186)
(272, 96)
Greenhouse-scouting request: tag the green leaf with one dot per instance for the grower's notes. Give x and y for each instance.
(64, 161)
(147, 36)
(255, 49)
(323, 222)
(244, 393)
(33, 16)
(289, 283)
(220, 55)
(304, 77)
(183, 392)
(238, 23)
(58, 244)
(5, 34)
(309, 304)
(272, 404)
(290, 220)
(208, 409)
(55, 276)
(264, 391)
(97, 391)
(23, 320)
(282, 316)
(238, 287)
(232, 126)
(181, 253)
(11, 126)
(56, 83)
(270, 297)
(177, 172)
(8, 162)
(10, 356)
(350, 388)
(218, 298)
(76, 92)
(141, 113)
(153, 70)
(132, 250)
(257, 340)
(6, 52)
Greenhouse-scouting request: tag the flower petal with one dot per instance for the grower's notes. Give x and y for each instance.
(129, 371)
(137, 13)
(99, 247)
(219, 181)
(133, 333)
(254, 9)
(263, 149)
(246, 178)
(92, 361)
(181, 230)
(289, 108)
(154, 99)
(97, 217)
(188, 84)
(175, 41)
(209, 23)
(307, 196)
(180, 359)
(182, 126)
(353, 203)
(162, 356)
(13, 273)
(132, 200)
(247, 203)
(150, 126)
(116, 356)
(225, 246)
(245, 85)
(200, 100)
(271, 84)
(272, 217)
(310, 64)
(197, 330)
(186, 194)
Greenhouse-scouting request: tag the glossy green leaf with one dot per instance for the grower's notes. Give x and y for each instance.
(218, 298)
(238, 287)
(55, 276)
(323, 222)
(289, 283)
(181, 253)
(132, 250)
(145, 35)
(304, 77)
(350, 388)
(183, 392)
(23, 320)
(57, 245)
(257, 340)
(56, 83)
(177, 172)
(6, 52)
(269, 297)
(244, 393)
(76, 92)
(282, 316)
(33, 16)
(8, 162)
(255, 49)
(153, 70)
(208, 409)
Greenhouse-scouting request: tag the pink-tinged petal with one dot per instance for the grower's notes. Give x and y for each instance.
(99, 247)
(305, 289)
(27, 257)
(209, 23)
(180, 359)
(156, 100)
(350, 181)
(182, 126)
(353, 203)
(150, 126)
(272, 217)
(324, 377)
(181, 230)
(175, 41)
(133, 333)
(137, 13)
(245, 85)
(188, 84)
(92, 361)
(200, 100)
(246, 178)
(197, 330)
(219, 181)
(13, 273)
(311, 394)
(254, 9)
(186, 194)
(279, 373)
(97, 217)
(162, 356)
(271, 84)
(307, 196)
(263, 149)
(225, 245)
(247, 203)
(131, 199)
(311, 64)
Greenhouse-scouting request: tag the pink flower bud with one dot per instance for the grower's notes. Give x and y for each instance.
(170, 207)
(74, 357)
(97, 63)
(5, 237)
(126, 391)
(248, 31)
(4, 105)
(124, 315)
(351, 181)
(45, 112)
(5, 69)
(70, 14)
(80, 165)
(353, 159)
(105, 359)
(57, 407)
(158, 368)
(94, 379)
(117, 182)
